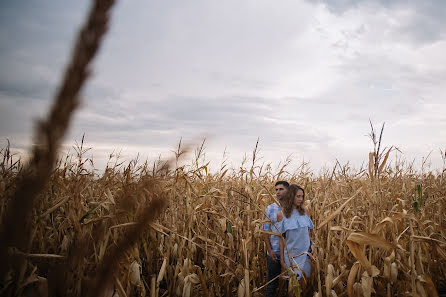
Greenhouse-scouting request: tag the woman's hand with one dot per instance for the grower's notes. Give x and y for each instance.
(283, 266)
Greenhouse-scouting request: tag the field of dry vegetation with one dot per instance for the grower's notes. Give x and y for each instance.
(379, 231)
(167, 229)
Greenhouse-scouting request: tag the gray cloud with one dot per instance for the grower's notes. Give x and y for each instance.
(35, 45)
(417, 22)
(304, 78)
(19, 113)
(231, 118)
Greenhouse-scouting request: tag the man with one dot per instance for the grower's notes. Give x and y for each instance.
(272, 241)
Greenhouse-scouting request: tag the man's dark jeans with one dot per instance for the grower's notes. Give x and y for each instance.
(273, 271)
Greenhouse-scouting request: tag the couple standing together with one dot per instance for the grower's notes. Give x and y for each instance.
(290, 219)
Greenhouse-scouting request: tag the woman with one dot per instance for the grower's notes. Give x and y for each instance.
(295, 225)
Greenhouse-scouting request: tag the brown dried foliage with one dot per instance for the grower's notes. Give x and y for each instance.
(209, 236)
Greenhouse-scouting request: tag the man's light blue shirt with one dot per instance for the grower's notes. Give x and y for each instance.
(271, 215)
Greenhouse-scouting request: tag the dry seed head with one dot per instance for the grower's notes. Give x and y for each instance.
(329, 279)
(366, 283)
(375, 271)
(393, 272)
(134, 273)
(175, 250)
(352, 278)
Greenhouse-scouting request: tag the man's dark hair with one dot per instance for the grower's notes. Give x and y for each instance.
(282, 182)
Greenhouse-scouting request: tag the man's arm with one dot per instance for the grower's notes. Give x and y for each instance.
(267, 237)
(281, 240)
(282, 257)
(281, 244)
(271, 253)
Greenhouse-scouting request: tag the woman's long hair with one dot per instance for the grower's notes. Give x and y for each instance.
(288, 201)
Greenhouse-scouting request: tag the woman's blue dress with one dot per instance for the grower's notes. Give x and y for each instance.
(297, 240)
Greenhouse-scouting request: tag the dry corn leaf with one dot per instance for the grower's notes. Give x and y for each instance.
(186, 289)
(375, 271)
(385, 222)
(375, 240)
(162, 271)
(420, 289)
(338, 279)
(429, 285)
(399, 216)
(357, 290)
(383, 163)
(109, 195)
(241, 288)
(338, 211)
(371, 164)
(193, 278)
(440, 251)
(358, 252)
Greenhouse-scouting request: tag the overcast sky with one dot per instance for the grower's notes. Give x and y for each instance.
(303, 76)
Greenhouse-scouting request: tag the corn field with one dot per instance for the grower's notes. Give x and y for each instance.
(177, 228)
(380, 234)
